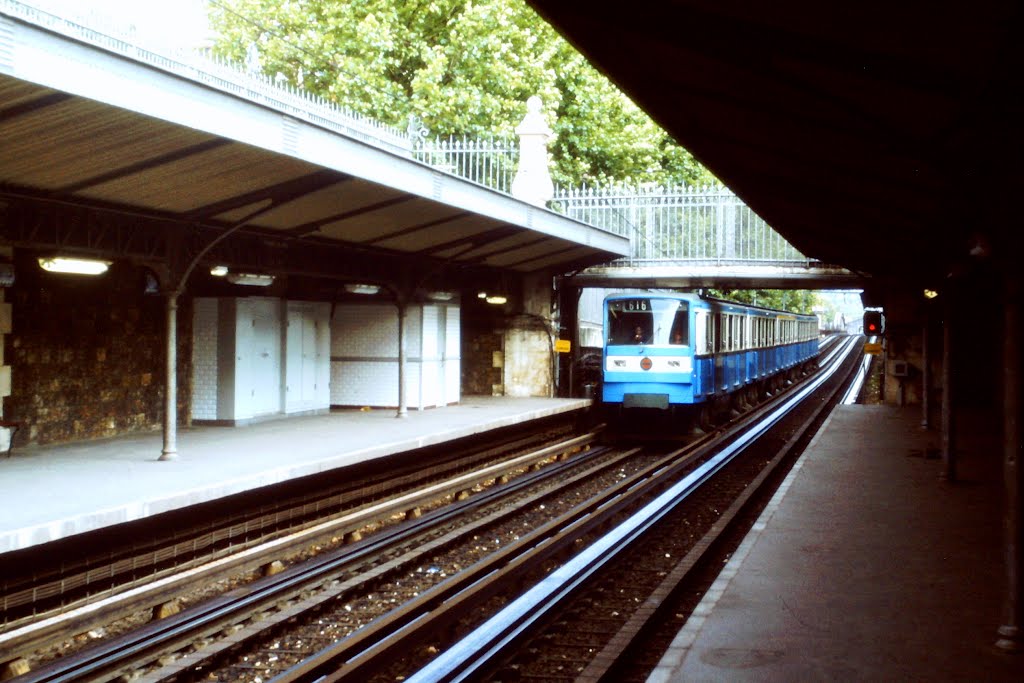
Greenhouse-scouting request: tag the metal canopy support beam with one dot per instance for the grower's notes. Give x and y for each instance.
(144, 165)
(279, 193)
(313, 226)
(1010, 636)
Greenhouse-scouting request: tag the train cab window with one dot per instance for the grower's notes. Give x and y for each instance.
(647, 321)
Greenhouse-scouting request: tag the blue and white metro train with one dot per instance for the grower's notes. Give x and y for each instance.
(699, 356)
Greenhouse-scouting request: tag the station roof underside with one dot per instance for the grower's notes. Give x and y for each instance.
(883, 137)
(84, 127)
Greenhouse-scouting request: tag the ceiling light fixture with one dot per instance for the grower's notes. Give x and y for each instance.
(76, 266)
(219, 271)
(440, 296)
(496, 300)
(361, 288)
(250, 279)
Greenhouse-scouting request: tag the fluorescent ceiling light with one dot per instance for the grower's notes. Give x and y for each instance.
(219, 271)
(497, 300)
(361, 288)
(250, 279)
(440, 296)
(60, 264)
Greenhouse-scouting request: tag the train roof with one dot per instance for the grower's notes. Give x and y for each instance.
(711, 301)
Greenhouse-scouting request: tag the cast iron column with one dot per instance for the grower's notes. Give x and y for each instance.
(1013, 516)
(948, 431)
(402, 310)
(170, 449)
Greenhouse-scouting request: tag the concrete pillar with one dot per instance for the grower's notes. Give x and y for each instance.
(533, 180)
(926, 374)
(948, 428)
(529, 357)
(1010, 636)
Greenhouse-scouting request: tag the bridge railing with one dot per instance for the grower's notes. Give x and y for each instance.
(490, 162)
(708, 225)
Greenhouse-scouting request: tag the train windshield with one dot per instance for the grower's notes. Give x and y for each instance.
(647, 321)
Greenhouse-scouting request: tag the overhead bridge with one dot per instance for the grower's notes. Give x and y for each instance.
(697, 275)
(694, 237)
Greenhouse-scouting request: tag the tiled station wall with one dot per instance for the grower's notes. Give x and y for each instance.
(364, 355)
(86, 355)
(259, 356)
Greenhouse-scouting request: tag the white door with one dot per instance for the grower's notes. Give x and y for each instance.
(265, 363)
(301, 365)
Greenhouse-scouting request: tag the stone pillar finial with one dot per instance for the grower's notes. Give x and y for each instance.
(533, 181)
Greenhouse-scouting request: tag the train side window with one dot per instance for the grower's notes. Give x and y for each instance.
(680, 329)
(699, 333)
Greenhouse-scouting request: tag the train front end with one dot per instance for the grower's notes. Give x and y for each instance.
(648, 353)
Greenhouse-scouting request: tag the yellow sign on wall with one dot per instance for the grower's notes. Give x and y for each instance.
(563, 345)
(873, 349)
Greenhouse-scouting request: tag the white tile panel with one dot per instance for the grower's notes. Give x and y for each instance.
(204, 359)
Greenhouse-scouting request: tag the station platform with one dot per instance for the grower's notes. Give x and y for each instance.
(865, 566)
(48, 493)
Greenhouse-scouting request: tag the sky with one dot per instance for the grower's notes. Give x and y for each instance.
(170, 23)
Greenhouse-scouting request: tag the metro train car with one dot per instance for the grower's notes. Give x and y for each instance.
(697, 357)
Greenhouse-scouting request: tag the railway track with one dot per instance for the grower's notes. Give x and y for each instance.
(205, 643)
(359, 566)
(623, 584)
(44, 597)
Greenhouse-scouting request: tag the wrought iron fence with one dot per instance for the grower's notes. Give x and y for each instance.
(693, 224)
(490, 162)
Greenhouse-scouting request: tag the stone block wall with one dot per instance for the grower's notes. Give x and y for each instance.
(87, 355)
(482, 361)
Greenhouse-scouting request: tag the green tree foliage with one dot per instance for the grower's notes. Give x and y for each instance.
(462, 67)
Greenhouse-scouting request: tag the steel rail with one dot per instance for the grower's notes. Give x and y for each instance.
(602, 667)
(480, 648)
(364, 650)
(28, 636)
(159, 636)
